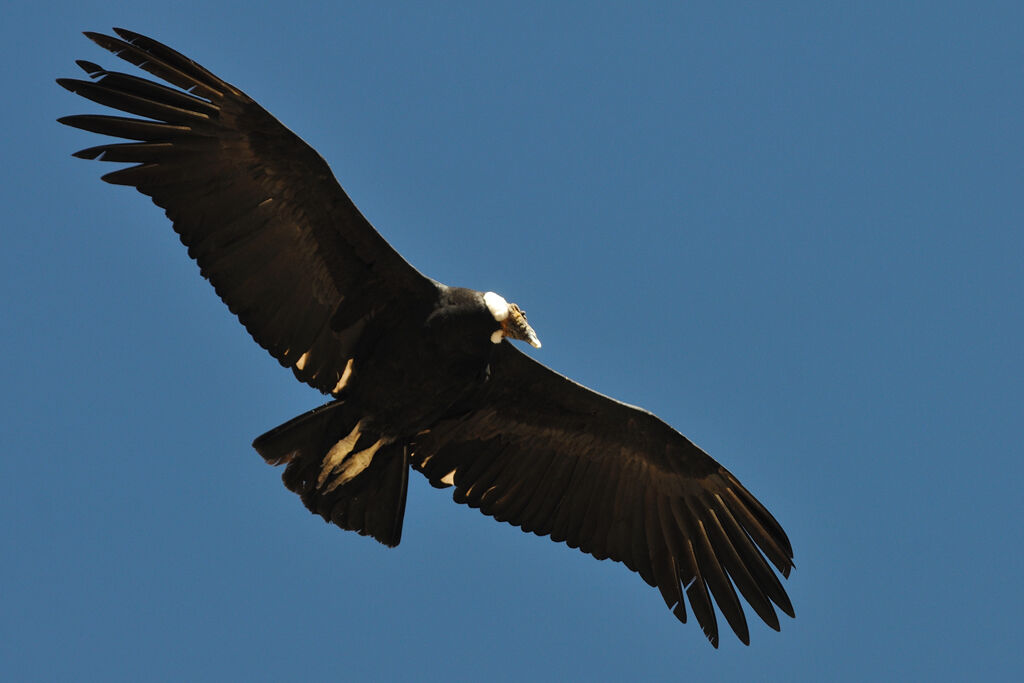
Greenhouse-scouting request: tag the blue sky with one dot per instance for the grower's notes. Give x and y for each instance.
(795, 234)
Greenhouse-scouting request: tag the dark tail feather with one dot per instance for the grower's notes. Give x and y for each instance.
(372, 500)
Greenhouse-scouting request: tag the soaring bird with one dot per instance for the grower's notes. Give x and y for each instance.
(420, 375)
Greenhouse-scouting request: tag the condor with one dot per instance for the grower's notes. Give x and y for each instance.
(421, 375)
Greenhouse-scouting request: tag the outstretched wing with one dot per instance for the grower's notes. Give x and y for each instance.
(257, 207)
(546, 454)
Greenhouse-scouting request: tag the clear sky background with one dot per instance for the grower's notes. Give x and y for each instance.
(795, 234)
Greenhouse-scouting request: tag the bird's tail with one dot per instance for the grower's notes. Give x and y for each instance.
(342, 470)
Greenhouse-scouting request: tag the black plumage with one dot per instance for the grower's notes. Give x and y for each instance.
(419, 373)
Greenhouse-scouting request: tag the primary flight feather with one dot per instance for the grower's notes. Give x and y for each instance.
(421, 375)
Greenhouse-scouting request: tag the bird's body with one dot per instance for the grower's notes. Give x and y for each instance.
(420, 375)
(394, 395)
(408, 386)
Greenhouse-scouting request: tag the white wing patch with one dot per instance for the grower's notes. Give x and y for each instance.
(345, 375)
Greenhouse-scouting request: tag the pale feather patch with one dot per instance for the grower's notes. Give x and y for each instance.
(354, 464)
(344, 377)
(449, 478)
(497, 336)
(338, 452)
(497, 305)
(301, 362)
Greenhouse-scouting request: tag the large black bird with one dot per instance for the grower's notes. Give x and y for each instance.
(420, 374)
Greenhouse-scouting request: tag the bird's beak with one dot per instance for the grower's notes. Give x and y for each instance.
(516, 327)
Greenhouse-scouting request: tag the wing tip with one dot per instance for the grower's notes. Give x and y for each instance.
(91, 68)
(69, 84)
(125, 34)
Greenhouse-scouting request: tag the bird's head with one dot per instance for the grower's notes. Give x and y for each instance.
(511, 320)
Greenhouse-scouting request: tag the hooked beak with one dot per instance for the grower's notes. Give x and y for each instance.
(516, 327)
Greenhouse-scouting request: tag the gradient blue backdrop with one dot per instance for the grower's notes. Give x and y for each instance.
(793, 233)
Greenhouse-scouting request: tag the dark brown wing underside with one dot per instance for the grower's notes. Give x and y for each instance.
(554, 458)
(258, 209)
